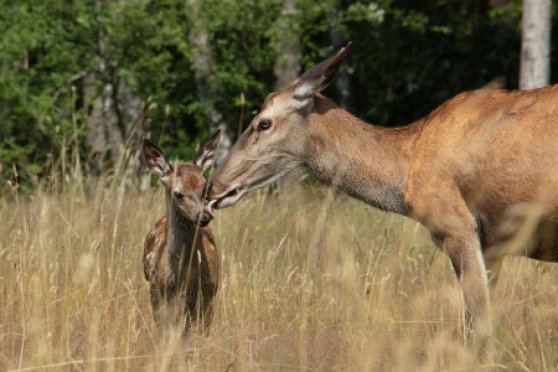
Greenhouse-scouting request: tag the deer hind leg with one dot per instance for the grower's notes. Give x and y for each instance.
(454, 227)
(546, 241)
(542, 245)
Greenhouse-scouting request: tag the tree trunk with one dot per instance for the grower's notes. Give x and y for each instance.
(203, 66)
(287, 46)
(286, 69)
(114, 112)
(103, 135)
(343, 81)
(535, 44)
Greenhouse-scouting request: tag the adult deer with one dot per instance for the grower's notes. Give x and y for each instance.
(476, 171)
(180, 260)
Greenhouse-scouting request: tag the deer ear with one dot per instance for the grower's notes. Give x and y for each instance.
(155, 159)
(320, 76)
(206, 154)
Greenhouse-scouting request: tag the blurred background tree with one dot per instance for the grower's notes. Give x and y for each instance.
(83, 80)
(536, 33)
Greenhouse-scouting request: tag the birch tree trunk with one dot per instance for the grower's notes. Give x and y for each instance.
(287, 46)
(286, 42)
(535, 44)
(104, 137)
(203, 66)
(114, 111)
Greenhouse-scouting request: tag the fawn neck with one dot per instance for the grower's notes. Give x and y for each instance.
(367, 162)
(181, 233)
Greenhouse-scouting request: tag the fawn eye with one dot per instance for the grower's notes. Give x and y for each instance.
(264, 124)
(178, 195)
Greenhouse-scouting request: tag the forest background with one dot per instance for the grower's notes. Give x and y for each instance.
(82, 80)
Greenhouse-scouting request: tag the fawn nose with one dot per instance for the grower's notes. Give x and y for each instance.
(205, 220)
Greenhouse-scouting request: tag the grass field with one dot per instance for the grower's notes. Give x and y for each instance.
(311, 280)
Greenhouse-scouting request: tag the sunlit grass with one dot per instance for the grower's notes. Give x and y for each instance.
(310, 280)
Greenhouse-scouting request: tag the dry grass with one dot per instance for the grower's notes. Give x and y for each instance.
(310, 280)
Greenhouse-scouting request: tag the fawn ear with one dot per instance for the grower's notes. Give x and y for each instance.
(155, 159)
(318, 77)
(206, 154)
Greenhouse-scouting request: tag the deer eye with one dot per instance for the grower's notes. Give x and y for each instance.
(178, 195)
(264, 124)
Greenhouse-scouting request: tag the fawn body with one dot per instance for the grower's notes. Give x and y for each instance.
(181, 261)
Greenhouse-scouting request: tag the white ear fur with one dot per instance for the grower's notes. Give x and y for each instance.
(206, 154)
(305, 88)
(318, 77)
(155, 159)
(303, 92)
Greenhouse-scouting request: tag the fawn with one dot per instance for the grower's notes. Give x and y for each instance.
(180, 260)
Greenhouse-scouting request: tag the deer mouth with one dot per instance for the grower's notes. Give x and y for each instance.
(224, 200)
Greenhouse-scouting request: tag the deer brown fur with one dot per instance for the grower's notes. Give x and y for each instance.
(181, 261)
(480, 171)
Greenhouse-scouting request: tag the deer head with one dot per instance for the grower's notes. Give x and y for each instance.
(275, 141)
(183, 181)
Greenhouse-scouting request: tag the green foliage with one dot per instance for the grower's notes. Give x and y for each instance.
(409, 56)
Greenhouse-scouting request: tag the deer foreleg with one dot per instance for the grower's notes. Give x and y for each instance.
(454, 229)
(467, 260)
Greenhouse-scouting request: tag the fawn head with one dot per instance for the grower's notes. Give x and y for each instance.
(184, 183)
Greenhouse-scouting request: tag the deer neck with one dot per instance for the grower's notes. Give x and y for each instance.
(367, 162)
(181, 233)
